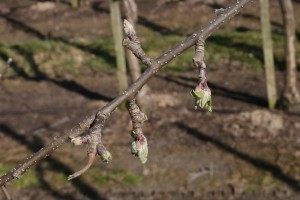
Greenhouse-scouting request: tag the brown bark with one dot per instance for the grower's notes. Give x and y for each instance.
(291, 94)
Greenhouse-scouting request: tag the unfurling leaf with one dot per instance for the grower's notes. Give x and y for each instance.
(139, 148)
(202, 96)
(143, 153)
(106, 156)
(134, 150)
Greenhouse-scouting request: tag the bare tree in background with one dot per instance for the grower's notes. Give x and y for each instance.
(116, 23)
(291, 95)
(268, 53)
(132, 16)
(143, 98)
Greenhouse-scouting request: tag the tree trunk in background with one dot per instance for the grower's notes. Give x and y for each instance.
(75, 3)
(268, 53)
(143, 97)
(290, 94)
(117, 29)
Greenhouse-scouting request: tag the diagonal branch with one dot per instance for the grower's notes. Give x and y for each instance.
(132, 90)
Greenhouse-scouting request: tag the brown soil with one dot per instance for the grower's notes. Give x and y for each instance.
(240, 151)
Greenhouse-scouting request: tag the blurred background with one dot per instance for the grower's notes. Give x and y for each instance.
(64, 67)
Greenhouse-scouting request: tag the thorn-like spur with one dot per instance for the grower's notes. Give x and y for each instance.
(85, 168)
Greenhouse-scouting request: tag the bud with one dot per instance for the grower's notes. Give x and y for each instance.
(129, 30)
(143, 153)
(220, 11)
(104, 153)
(77, 141)
(202, 96)
(106, 156)
(139, 148)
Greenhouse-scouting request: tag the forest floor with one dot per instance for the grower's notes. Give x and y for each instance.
(241, 150)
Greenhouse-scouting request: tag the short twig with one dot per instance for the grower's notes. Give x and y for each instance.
(132, 42)
(202, 92)
(139, 146)
(198, 60)
(5, 191)
(201, 172)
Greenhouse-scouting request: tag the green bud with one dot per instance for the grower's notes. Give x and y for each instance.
(143, 153)
(77, 141)
(134, 150)
(139, 148)
(104, 154)
(202, 98)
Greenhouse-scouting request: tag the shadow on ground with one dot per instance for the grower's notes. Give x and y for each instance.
(258, 163)
(69, 85)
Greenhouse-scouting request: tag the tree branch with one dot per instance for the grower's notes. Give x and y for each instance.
(132, 90)
(132, 43)
(202, 92)
(94, 144)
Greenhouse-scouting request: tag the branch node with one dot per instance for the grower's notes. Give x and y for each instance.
(94, 145)
(17, 174)
(98, 123)
(220, 12)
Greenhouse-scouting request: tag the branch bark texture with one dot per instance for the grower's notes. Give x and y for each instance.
(153, 67)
